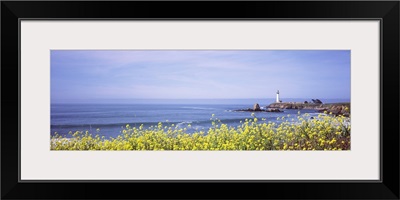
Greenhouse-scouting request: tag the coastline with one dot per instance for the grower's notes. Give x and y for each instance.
(342, 108)
(336, 109)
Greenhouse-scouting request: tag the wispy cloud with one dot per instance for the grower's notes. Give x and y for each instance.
(199, 74)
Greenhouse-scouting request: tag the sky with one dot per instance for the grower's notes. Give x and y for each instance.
(78, 75)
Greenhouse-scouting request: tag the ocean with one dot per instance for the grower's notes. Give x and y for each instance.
(110, 118)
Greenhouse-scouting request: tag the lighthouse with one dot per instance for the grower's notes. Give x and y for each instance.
(277, 97)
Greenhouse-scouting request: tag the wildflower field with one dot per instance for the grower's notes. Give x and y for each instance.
(325, 132)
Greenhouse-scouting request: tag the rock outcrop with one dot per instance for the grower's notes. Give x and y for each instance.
(294, 105)
(334, 108)
(273, 110)
(317, 101)
(256, 107)
(337, 110)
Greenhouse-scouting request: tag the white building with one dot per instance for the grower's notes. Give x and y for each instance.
(277, 97)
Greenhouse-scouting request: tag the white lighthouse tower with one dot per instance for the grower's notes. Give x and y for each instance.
(277, 97)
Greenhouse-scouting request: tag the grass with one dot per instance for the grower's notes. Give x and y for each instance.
(324, 132)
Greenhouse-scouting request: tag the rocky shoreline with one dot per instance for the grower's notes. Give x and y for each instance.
(257, 108)
(334, 108)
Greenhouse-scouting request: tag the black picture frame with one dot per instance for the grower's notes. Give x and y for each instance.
(13, 11)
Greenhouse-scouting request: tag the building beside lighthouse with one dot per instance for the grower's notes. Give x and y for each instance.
(277, 97)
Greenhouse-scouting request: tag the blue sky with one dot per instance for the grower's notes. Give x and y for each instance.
(197, 74)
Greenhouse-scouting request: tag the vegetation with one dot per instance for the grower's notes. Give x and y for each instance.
(324, 132)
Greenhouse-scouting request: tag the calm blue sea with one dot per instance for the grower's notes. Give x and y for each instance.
(111, 118)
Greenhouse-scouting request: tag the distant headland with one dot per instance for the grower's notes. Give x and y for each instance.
(340, 108)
